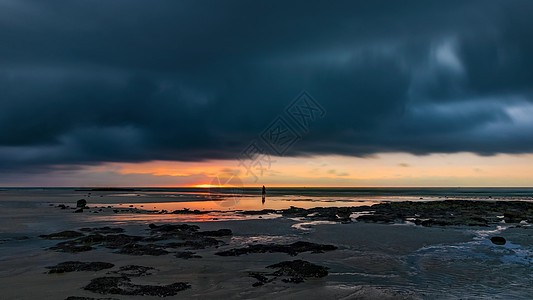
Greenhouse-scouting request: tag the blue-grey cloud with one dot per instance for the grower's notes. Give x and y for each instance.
(83, 83)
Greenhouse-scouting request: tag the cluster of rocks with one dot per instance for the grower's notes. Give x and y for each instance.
(118, 282)
(134, 271)
(450, 212)
(182, 236)
(295, 271)
(121, 284)
(81, 206)
(77, 266)
(336, 214)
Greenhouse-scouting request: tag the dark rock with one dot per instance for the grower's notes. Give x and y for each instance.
(188, 234)
(62, 206)
(117, 241)
(77, 266)
(259, 212)
(81, 244)
(513, 217)
(123, 286)
(63, 235)
(291, 249)
(378, 218)
(450, 212)
(426, 223)
(299, 269)
(291, 271)
(90, 240)
(261, 278)
(294, 212)
(187, 255)
(81, 203)
(134, 271)
(498, 240)
(195, 245)
(80, 210)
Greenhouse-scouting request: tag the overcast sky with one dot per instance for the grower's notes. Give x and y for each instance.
(91, 83)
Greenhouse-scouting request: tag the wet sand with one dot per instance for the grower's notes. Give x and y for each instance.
(385, 261)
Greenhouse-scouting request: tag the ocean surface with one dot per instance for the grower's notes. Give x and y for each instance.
(278, 197)
(23, 205)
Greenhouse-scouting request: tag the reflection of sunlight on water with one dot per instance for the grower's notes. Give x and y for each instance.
(307, 225)
(132, 218)
(171, 200)
(243, 203)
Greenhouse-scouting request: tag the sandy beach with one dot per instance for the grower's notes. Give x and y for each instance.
(369, 260)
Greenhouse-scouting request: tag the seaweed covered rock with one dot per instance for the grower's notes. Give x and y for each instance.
(295, 271)
(450, 212)
(77, 266)
(81, 203)
(123, 286)
(299, 269)
(134, 271)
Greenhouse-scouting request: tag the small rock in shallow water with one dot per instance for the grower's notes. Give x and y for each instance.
(81, 203)
(498, 240)
(261, 278)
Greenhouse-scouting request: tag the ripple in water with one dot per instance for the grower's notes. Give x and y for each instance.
(477, 268)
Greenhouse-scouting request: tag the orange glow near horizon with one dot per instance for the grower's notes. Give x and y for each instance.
(208, 185)
(380, 170)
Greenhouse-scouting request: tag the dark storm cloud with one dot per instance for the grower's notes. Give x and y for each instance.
(85, 82)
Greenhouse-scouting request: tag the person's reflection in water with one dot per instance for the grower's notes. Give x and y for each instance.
(263, 193)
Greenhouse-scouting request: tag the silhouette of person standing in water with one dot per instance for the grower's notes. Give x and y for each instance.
(263, 193)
